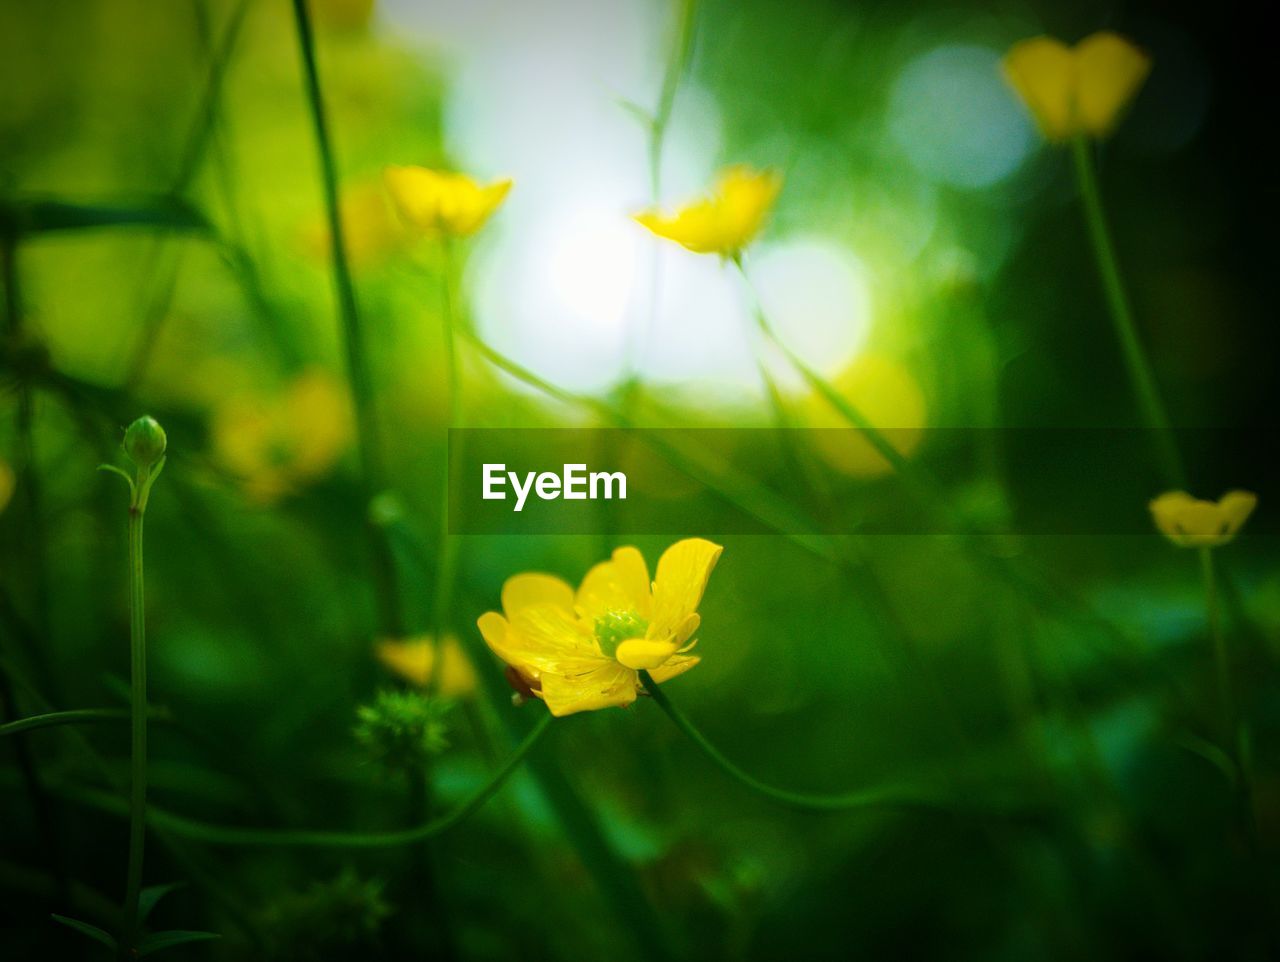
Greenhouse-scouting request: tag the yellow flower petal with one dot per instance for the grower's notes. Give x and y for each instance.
(682, 576)
(1110, 72)
(1192, 523)
(607, 685)
(675, 665)
(638, 653)
(1236, 506)
(725, 222)
(1080, 90)
(534, 588)
(620, 584)
(548, 639)
(1042, 70)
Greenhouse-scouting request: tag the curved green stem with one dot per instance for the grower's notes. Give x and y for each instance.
(1136, 362)
(229, 835)
(76, 716)
(885, 797)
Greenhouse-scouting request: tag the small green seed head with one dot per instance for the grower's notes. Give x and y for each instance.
(145, 441)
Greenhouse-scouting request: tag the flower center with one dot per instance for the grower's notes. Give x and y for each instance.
(615, 627)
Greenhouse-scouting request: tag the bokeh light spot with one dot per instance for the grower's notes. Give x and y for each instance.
(955, 121)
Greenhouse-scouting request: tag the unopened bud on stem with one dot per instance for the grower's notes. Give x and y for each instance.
(144, 442)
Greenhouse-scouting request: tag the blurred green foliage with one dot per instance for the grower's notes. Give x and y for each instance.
(164, 241)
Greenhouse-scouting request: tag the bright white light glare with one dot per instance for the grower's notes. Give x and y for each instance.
(589, 264)
(700, 329)
(956, 120)
(818, 298)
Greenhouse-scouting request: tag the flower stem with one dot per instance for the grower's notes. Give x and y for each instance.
(1222, 664)
(1141, 376)
(447, 556)
(227, 835)
(373, 476)
(886, 797)
(138, 727)
(75, 716)
(1232, 731)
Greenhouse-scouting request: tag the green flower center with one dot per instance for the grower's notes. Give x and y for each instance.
(615, 627)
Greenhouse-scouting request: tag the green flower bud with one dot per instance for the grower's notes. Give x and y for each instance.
(144, 442)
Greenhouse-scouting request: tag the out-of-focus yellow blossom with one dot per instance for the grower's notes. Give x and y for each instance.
(7, 482)
(342, 14)
(886, 394)
(1192, 523)
(582, 651)
(724, 222)
(419, 659)
(1080, 90)
(440, 203)
(371, 231)
(276, 444)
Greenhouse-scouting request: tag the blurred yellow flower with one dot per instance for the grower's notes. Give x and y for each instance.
(1079, 90)
(370, 229)
(276, 444)
(418, 660)
(439, 203)
(342, 14)
(1192, 523)
(583, 651)
(885, 393)
(726, 221)
(7, 482)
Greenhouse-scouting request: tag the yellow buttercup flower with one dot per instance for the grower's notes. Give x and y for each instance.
(420, 661)
(1080, 90)
(439, 203)
(1192, 523)
(7, 483)
(726, 221)
(276, 444)
(582, 651)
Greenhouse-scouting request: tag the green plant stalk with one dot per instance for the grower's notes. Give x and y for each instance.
(885, 797)
(373, 476)
(447, 557)
(1221, 660)
(1232, 728)
(227, 835)
(1141, 377)
(137, 724)
(677, 65)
